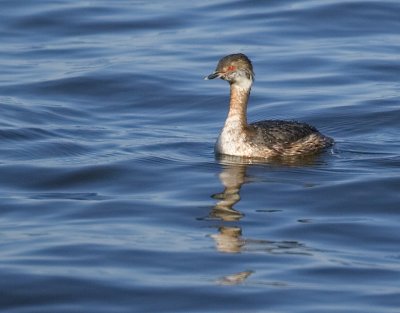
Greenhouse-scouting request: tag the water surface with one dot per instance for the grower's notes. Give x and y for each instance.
(112, 199)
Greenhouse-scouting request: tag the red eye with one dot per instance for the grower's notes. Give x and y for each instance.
(231, 68)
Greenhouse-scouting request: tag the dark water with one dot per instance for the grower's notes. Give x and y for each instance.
(112, 199)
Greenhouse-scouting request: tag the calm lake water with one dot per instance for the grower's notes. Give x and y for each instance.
(112, 199)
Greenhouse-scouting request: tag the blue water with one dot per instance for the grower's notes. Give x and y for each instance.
(112, 199)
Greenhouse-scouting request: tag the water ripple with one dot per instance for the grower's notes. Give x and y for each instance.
(112, 197)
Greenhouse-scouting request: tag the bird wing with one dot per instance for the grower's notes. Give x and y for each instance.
(280, 132)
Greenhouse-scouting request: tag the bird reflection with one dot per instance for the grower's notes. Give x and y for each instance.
(229, 239)
(232, 178)
(234, 279)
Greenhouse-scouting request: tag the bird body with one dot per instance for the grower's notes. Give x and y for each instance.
(264, 139)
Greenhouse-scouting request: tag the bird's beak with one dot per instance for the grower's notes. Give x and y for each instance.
(213, 75)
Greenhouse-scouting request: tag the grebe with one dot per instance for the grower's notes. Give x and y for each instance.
(265, 139)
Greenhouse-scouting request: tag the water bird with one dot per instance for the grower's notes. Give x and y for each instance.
(264, 139)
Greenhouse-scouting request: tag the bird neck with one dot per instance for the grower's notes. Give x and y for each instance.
(238, 105)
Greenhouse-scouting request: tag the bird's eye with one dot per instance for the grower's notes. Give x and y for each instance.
(231, 68)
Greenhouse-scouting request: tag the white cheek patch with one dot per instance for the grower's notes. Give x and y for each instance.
(243, 83)
(242, 80)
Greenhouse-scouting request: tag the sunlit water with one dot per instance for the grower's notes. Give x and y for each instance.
(112, 199)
